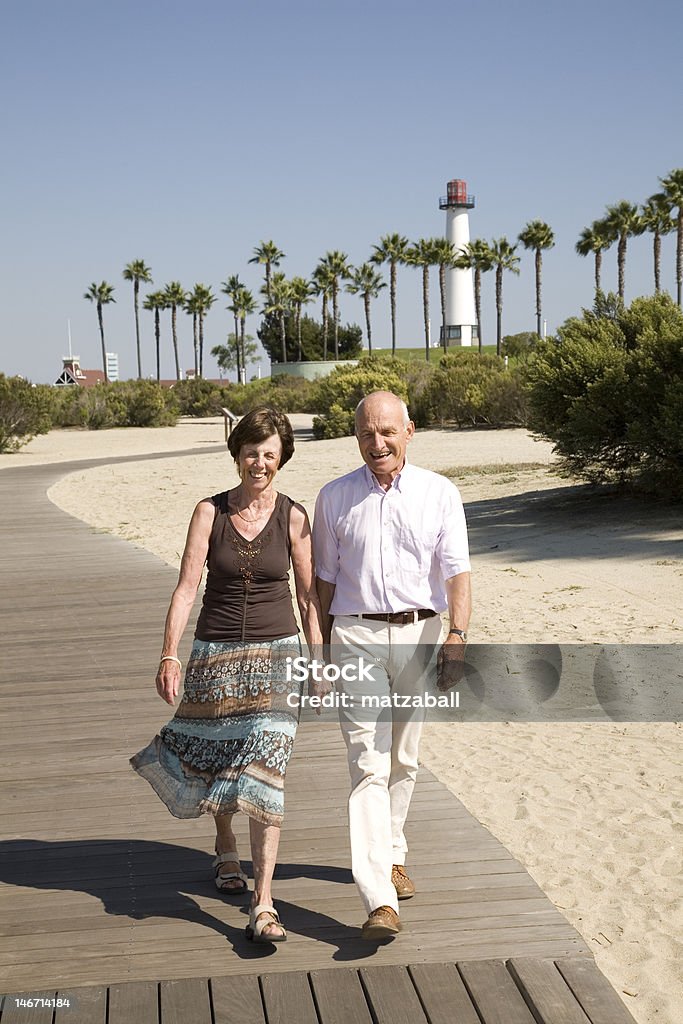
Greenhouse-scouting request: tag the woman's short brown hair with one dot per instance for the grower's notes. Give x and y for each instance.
(257, 426)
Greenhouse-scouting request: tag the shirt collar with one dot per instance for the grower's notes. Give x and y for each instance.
(373, 483)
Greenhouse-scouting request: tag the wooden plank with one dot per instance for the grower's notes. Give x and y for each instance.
(13, 1012)
(339, 997)
(592, 990)
(392, 996)
(545, 992)
(494, 993)
(134, 1002)
(237, 1000)
(185, 1000)
(288, 998)
(443, 994)
(85, 1006)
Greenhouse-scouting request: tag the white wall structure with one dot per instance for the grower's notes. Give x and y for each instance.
(113, 365)
(461, 321)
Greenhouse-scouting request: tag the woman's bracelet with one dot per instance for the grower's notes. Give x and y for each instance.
(171, 657)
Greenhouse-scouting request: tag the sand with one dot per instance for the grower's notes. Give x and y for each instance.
(592, 810)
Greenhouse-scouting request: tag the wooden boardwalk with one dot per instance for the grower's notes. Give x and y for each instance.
(104, 888)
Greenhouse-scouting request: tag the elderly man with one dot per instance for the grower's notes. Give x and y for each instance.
(391, 553)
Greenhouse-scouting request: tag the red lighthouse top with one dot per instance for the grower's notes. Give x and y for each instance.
(456, 196)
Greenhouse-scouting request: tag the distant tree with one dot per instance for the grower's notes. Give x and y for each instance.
(503, 259)
(537, 236)
(312, 340)
(365, 280)
(279, 306)
(192, 307)
(656, 215)
(625, 221)
(673, 190)
(246, 306)
(268, 254)
(174, 296)
(226, 355)
(422, 254)
(101, 294)
(594, 240)
(231, 288)
(205, 299)
(322, 280)
(302, 295)
(477, 256)
(156, 301)
(137, 271)
(392, 249)
(519, 346)
(444, 257)
(337, 264)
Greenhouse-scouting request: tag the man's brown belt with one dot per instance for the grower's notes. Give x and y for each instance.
(400, 618)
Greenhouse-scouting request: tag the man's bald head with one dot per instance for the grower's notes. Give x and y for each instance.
(383, 430)
(384, 401)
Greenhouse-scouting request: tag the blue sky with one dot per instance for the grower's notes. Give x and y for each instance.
(184, 134)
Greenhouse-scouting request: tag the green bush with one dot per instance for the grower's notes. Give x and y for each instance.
(609, 395)
(470, 390)
(25, 410)
(148, 404)
(340, 392)
(131, 403)
(288, 393)
(198, 397)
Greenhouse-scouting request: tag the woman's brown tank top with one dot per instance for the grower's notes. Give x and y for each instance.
(247, 594)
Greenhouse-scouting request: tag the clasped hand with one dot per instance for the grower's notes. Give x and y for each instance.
(450, 664)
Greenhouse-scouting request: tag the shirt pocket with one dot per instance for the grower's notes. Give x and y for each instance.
(416, 550)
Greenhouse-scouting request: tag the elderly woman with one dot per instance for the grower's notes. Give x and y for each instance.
(228, 746)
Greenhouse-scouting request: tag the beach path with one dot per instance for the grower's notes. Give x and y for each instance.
(105, 889)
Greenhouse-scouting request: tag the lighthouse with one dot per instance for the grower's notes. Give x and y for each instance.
(461, 321)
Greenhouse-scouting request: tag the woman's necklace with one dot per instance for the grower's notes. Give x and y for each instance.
(263, 514)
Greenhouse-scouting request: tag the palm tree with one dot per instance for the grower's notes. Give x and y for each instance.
(268, 254)
(625, 221)
(421, 254)
(136, 272)
(476, 256)
(656, 214)
(595, 239)
(192, 306)
(279, 305)
(101, 294)
(322, 282)
(444, 256)
(205, 300)
(231, 288)
(337, 264)
(365, 280)
(302, 294)
(156, 301)
(537, 235)
(503, 259)
(392, 249)
(673, 190)
(199, 302)
(246, 305)
(174, 296)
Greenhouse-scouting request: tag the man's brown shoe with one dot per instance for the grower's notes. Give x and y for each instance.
(402, 883)
(383, 923)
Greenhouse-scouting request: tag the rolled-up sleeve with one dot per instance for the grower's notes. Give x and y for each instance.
(452, 549)
(325, 545)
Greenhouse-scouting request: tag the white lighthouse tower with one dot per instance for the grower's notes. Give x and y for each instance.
(461, 321)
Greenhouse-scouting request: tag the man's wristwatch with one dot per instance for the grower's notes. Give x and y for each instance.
(459, 632)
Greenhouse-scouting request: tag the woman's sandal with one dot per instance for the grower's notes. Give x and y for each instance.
(254, 930)
(230, 890)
